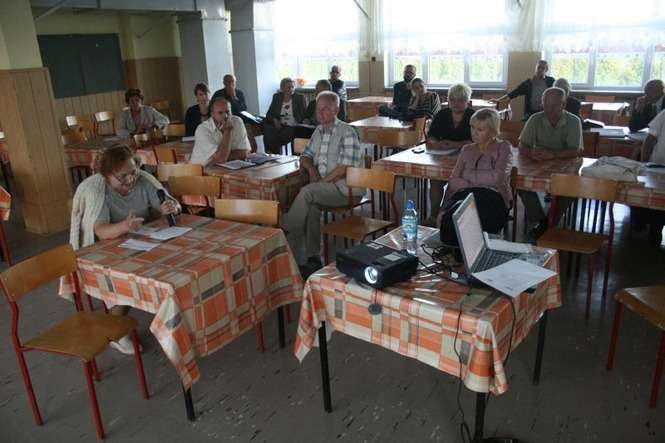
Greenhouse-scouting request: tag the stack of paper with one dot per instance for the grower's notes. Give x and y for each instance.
(169, 233)
(138, 245)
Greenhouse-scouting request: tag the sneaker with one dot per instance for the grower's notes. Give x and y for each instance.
(125, 345)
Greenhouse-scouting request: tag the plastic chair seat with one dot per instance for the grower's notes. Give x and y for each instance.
(83, 334)
(355, 227)
(647, 302)
(572, 241)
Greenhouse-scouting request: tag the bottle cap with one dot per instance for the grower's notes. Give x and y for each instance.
(409, 204)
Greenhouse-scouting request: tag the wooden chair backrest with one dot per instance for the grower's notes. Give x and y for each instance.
(161, 106)
(299, 145)
(36, 271)
(166, 171)
(207, 185)
(165, 154)
(72, 135)
(585, 110)
(510, 130)
(258, 212)
(577, 186)
(85, 122)
(141, 140)
(599, 98)
(394, 138)
(376, 179)
(104, 116)
(419, 127)
(590, 143)
(174, 130)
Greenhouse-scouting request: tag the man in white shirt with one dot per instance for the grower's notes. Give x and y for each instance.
(220, 138)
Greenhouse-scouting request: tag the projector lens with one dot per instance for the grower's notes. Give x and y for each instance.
(371, 274)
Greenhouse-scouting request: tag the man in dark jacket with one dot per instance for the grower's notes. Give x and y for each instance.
(647, 106)
(401, 95)
(532, 89)
(286, 110)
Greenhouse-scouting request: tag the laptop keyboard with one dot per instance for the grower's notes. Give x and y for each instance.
(491, 258)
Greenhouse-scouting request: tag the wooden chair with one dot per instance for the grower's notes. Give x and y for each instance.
(166, 171)
(599, 98)
(4, 246)
(84, 122)
(258, 212)
(173, 131)
(106, 117)
(195, 193)
(513, 191)
(142, 140)
(572, 241)
(83, 335)
(510, 131)
(621, 120)
(649, 303)
(590, 142)
(585, 111)
(162, 106)
(299, 145)
(356, 227)
(400, 140)
(165, 154)
(71, 136)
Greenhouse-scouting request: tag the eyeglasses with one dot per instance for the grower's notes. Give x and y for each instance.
(128, 177)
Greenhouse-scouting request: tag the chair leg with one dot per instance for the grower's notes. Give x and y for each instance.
(93, 400)
(608, 262)
(615, 334)
(592, 267)
(28, 388)
(288, 313)
(325, 249)
(139, 365)
(95, 370)
(259, 336)
(4, 246)
(659, 371)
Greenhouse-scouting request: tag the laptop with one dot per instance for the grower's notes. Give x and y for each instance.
(473, 244)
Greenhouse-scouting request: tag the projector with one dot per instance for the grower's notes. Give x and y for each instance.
(377, 265)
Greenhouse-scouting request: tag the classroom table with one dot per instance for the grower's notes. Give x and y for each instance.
(618, 141)
(206, 287)
(368, 128)
(420, 319)
(363, 107)
(5, 204)
(606, 111)
(532, 175)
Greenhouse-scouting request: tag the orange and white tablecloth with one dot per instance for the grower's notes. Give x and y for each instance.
(420, 319)
(532, 175)
(205, 287)
(5, 204)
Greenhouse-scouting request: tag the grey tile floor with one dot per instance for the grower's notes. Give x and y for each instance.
(377, 395)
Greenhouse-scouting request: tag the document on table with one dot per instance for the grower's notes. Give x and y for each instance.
(189, 138)
(138, 245)
(514, 277)
(497, 244)
(235, 164)
(452, 151)
(611, 132)
(163, 233)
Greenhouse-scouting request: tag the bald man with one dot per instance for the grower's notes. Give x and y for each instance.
(647, 106)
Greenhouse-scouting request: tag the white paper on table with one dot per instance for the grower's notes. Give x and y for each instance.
(138, 245)
(189, 138)
(235, 164)
(497, 244)
(514, 277)
(145, 231)
(169, 233)
(611, 132)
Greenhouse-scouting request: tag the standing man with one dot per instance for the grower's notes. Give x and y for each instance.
(547, 135)
(532, 89)
(334, 146)
(647, 106)
(220, 138)
(401, 95)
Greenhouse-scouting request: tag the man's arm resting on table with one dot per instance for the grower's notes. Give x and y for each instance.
(647, 147)
(535, 152)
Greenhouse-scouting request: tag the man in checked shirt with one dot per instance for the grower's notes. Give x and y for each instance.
(333, 147)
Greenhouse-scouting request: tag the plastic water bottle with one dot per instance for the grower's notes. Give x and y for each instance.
(410, 228)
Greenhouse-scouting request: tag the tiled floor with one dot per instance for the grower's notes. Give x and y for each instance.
(377, 395)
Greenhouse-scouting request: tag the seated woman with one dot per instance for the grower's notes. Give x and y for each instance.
(286, 110)
(113, 202)
(139, 118)
(423, 103)
(484, 163)
(450, 129)
(198, 113)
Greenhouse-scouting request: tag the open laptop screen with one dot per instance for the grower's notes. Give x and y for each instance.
(469, 230)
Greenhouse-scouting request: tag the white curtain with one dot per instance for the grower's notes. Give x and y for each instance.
(371, 29)
(526, 25)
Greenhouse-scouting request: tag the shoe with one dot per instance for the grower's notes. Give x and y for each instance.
(655, 234)
(125, 345)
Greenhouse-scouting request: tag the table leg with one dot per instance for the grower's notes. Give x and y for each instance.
(6, 174)
(280, 326)
(481, 401)
(539, 349)
(189, 404)
(325, 374)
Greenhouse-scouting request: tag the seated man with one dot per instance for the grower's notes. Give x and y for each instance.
(339, 88)
(647, 106)
(220, 138)
(550, 134)
(334, 146)
(653, 150)
(237, 100)
(401, 94)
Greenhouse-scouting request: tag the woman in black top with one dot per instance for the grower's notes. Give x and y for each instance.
(450, 129)
(198, 113)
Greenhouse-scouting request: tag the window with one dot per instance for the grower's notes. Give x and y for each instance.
(307, 44)
(598, 46)
(468, 46)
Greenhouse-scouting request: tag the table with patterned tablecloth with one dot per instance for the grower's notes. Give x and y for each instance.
(206, 287)
(5, 204)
